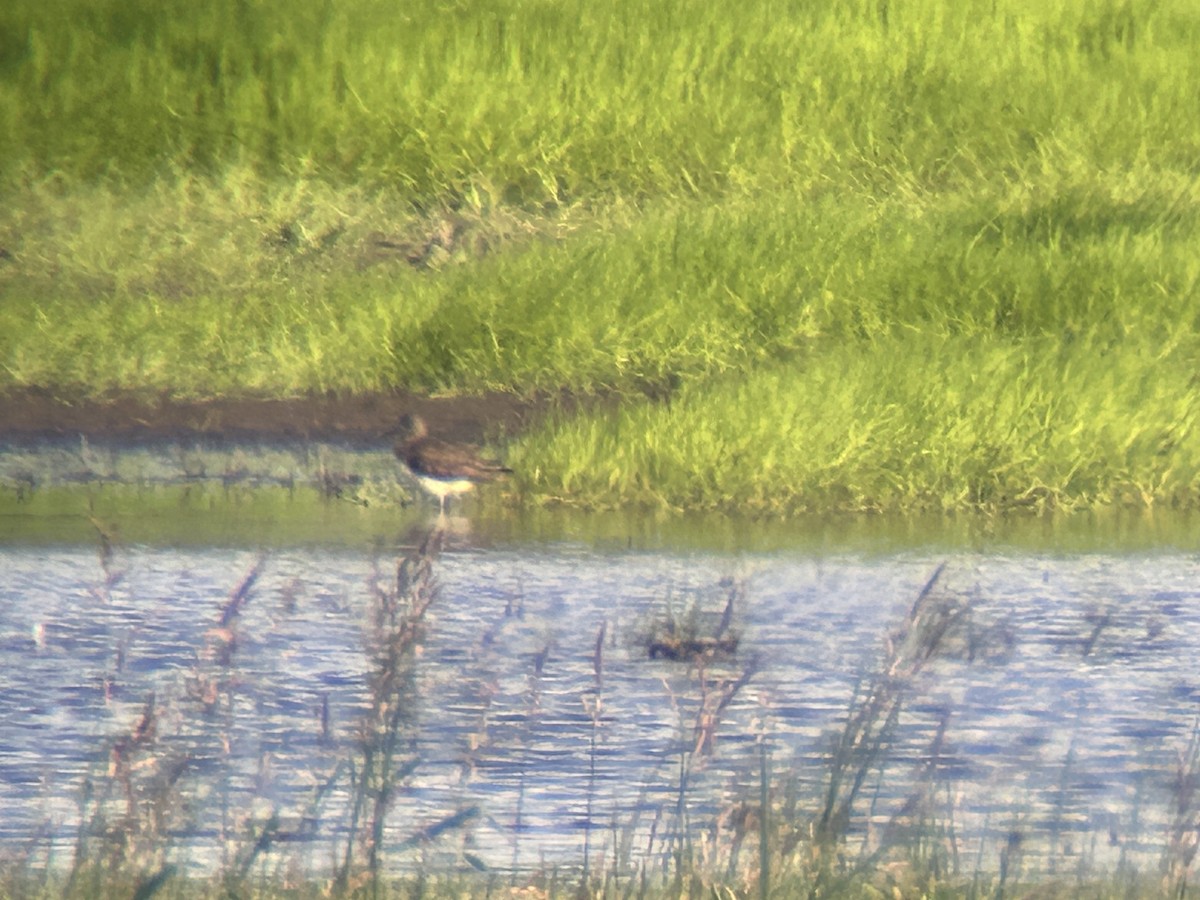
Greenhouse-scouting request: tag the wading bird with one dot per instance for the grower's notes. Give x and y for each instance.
(441, 468)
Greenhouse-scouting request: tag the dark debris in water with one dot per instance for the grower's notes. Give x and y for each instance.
(680, 648)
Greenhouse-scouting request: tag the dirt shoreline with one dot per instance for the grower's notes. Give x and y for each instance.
(31, 415)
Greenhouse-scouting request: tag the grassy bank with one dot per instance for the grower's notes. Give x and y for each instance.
(877, 255)
(976, 424)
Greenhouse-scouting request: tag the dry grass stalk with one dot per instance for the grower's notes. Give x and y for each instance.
(130, 811)
(381, 762)
(866, 736)
(1183, 836)
(715, 697)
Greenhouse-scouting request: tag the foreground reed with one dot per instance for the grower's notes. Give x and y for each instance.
(382, 759)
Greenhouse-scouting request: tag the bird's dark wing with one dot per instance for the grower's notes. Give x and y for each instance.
(438, 459)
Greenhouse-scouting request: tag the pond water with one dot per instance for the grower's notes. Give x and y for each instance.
(1060, 715)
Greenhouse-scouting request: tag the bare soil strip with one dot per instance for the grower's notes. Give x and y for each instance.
(32, 414)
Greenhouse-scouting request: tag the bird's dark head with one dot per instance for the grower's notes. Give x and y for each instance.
(411, 427)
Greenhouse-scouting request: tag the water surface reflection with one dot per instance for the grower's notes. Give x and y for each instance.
(1062, 714)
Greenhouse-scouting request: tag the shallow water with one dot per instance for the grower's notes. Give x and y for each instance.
(1063, 727)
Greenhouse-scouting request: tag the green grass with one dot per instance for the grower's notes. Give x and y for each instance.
(954, 251)
(989, 425)
(545, 101)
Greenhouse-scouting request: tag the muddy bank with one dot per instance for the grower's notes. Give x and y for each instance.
(30, 416)
(340, 444)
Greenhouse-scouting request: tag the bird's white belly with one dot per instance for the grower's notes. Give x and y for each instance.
(445, 487)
